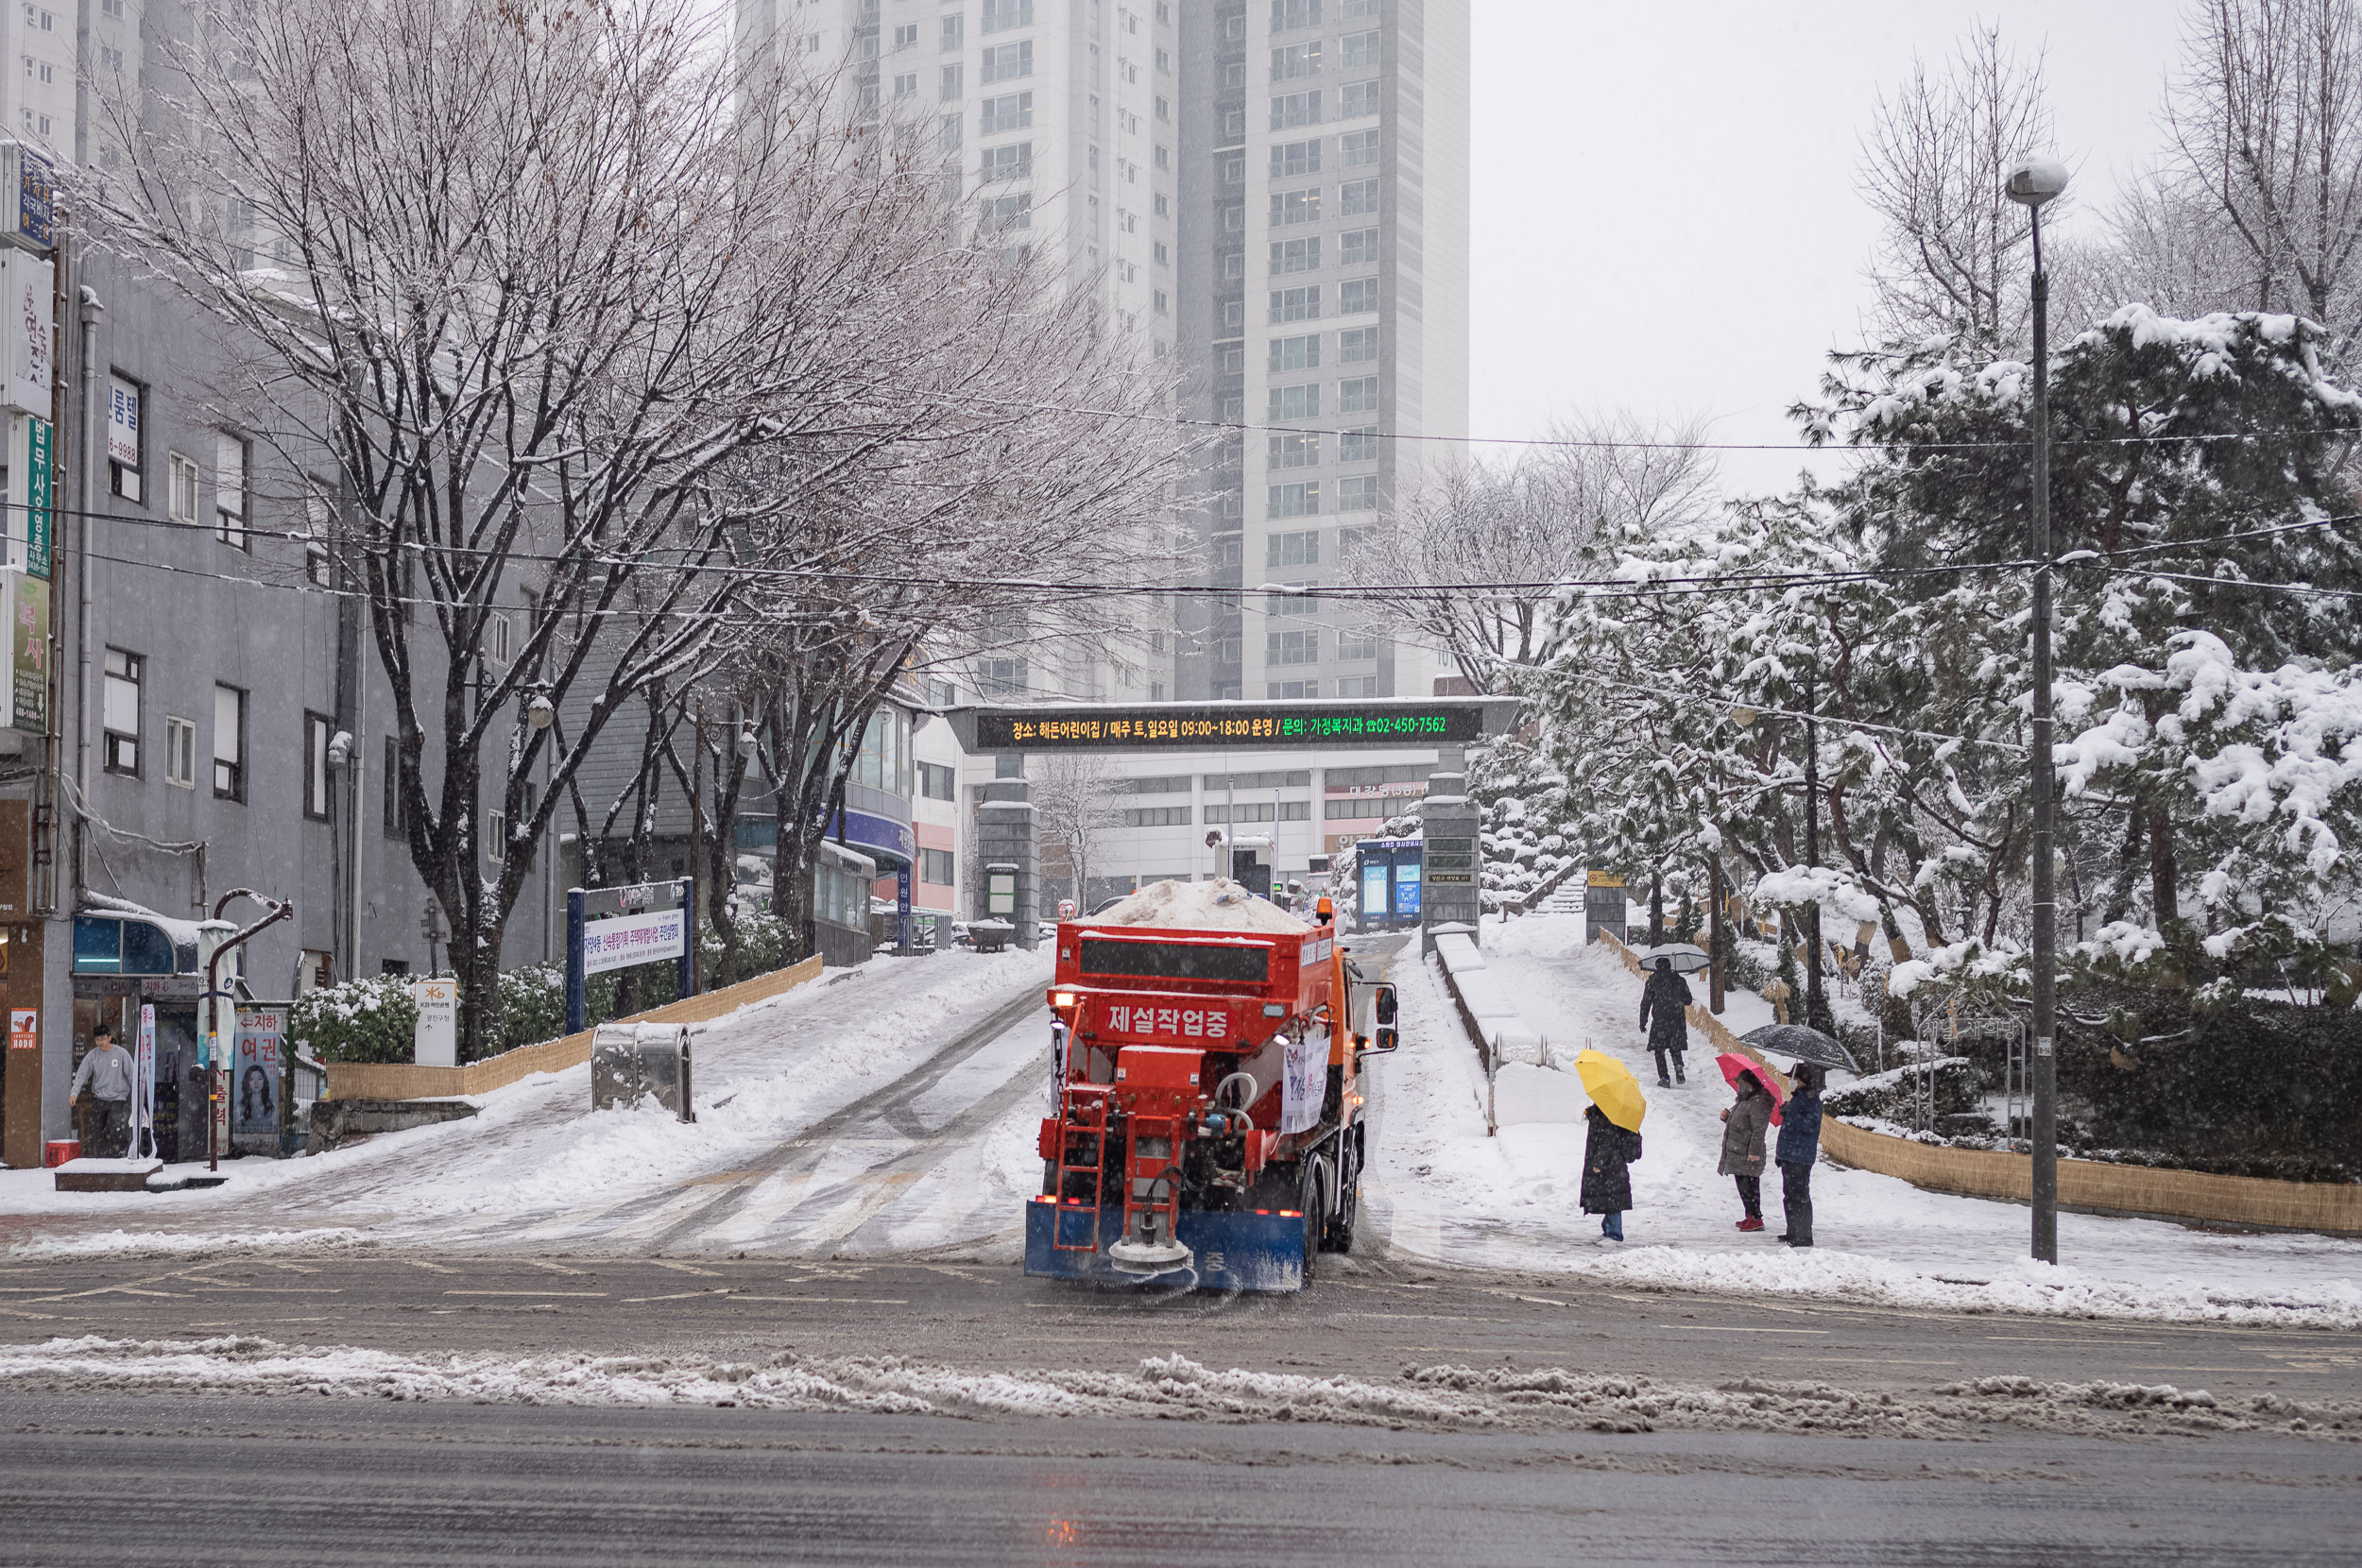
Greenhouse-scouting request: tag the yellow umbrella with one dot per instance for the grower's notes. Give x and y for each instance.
(1612, 1088)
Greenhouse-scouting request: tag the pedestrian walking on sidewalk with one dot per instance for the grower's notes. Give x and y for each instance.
(1664, 1014)
(1743, 1127)
(1800, 1145)
(106, 1072)
(1607, 1172)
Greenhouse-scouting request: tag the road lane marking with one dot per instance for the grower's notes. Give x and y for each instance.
(558, 1268)
(1726, 1328)
(271, 1289)
(839, 1301)
(683, 1267)
(437, 1267)
(543, 1293)
(678, 1296)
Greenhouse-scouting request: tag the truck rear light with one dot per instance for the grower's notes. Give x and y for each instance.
(1062, 998)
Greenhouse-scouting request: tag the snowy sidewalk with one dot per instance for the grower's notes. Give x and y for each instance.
(1444, 1191)
(538, 1168)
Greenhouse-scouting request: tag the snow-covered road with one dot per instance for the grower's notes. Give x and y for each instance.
(1442, 1188)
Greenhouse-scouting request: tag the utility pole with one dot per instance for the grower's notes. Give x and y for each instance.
(1815, 1000)
(2033, 181)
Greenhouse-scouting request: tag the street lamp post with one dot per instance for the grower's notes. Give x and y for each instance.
(2032, 182)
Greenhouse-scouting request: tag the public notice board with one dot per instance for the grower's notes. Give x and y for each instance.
(619, 941)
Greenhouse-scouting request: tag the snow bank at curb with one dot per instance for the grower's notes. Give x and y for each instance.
(136, 1244)
(1173, 1386)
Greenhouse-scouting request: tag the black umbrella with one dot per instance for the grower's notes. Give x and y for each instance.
(1802, 1042)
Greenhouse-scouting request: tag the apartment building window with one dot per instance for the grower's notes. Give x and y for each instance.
(496, 837)
(1014, 162)
(1164, 106)
(954, 31)
(1295, 108)
(1294, 159)
(1356, 297)
(1164, 63)
(1010, 112)
(1356, 643)
(1299, 449)
(119, 744)
(1163, 304)
(1295, 549)
(1293, 61)
(180, 752)
(1000, 15)
(906, 85)
(124, 450)
(230, 460)
(1164, 160)
(318, 732)
(1350, 540)
(1361, 50)
(952, 79)
(811, 43)
(497, 633)
(1164, 11)
(1296, 304)
(1281, 605)
(949, 140)
(1296, 354)
(938, 781)
(1358, 396)
(1358, 10)
(906, 37)
(1357, 196)
(936, 867)
(110, 59)
(1008, 62)
(1295, 255)
(1292, 647)
(1296, 402)
(1355, 246)
(999, 677)
(1156, 816)
(1296, 501)
(1296, 206)
(181, 488)
(1288, 15)
(396, 824)
(1358, 445)
(1358, 493)
(1163, 202)
(229, 743)
(1359, 146)
(1357, 346)
(1356, 99)
(999, 214)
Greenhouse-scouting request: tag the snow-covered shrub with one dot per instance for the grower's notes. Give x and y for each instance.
(373, 1020)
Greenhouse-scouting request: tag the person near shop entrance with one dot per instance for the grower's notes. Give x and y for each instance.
(106, 1072)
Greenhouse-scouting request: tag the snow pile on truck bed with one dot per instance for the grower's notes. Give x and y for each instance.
(1218, 906)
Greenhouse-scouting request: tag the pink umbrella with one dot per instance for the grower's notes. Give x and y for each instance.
(1732, 1065)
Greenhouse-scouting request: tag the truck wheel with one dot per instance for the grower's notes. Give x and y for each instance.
(1309, 1198)
(1050, 1179)
(1339, 1238)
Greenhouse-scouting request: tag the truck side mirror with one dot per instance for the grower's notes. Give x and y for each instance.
(1386, 1008)
(1387, 1040)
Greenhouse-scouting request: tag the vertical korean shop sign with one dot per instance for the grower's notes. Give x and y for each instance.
(28, 652)
(32, 334)
(40, 457)
(36, 200)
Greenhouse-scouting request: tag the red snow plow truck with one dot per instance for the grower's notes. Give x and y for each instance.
(1205, 1125)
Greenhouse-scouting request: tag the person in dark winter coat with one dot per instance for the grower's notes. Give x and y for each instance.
(1800, 1145)
(1664, 1014)
(1743, 1126)
(1607, 1172)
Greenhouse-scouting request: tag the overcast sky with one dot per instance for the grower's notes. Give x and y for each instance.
(1668, 212)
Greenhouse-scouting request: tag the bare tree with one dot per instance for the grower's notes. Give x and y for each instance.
(1472, 560)
(537, 277)
(1076, 804)
(1932, 168)
(2266, 126)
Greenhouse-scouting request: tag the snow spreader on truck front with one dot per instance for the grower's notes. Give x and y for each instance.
(1206, 1125)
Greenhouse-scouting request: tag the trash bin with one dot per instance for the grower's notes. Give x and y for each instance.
(631, 1062)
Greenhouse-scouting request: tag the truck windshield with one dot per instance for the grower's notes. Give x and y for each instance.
(1176, 960)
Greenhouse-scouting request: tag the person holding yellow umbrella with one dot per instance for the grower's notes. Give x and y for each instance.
(1614, 1117)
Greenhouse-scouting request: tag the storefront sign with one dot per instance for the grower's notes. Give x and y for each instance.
(33, 335)
(144, 1086)
(123, 423)
(256, 1068)
(25, 1028)
(31, 454)
(623, 940)
(435, 1042)
(27, 598)
(36, 199)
